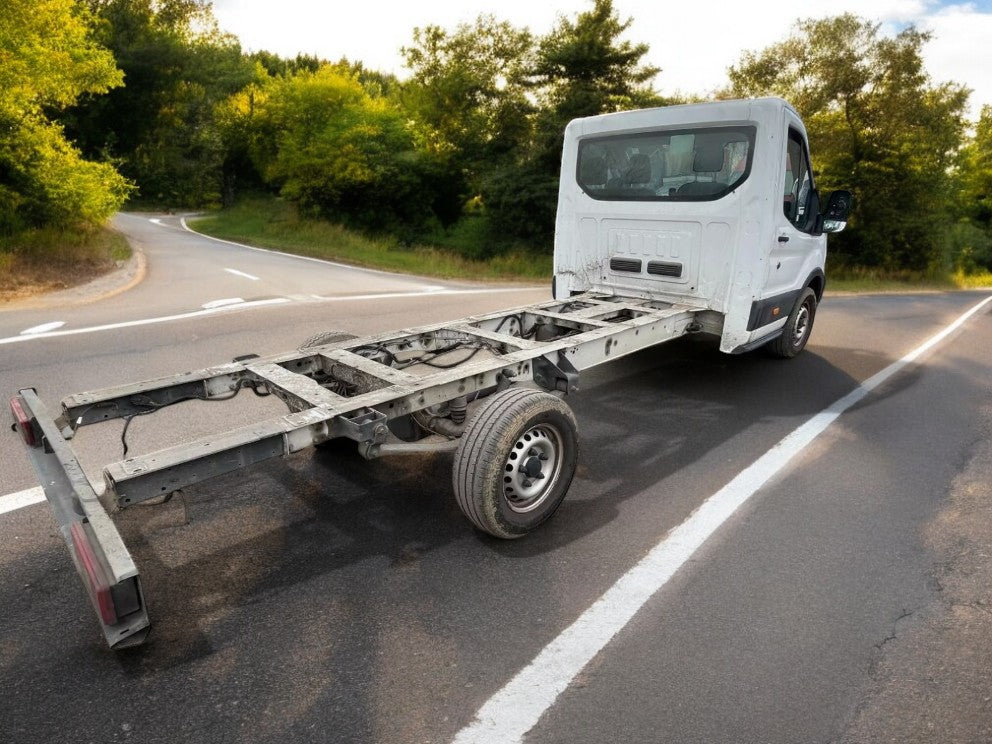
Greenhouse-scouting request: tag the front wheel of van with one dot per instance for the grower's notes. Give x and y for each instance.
(797, 328)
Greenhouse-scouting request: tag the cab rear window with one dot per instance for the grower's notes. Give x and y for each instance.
(668, 165)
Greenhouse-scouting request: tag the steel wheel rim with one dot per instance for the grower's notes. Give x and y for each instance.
(532, 468)
(802, 324)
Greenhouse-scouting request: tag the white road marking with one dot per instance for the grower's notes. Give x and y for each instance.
(144, 321)
(393, 295)
(155, 220)
(222, 303)
(182, 223)
(43, 328)
(241, 273)
(515, 709)
(14, 501)
(258, 303)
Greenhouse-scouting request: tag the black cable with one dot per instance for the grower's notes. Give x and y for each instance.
(153, 407)
(438, 365)
(377, 348)
(427, 357)
(127, 423)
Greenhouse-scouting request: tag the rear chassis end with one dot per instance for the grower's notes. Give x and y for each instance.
(104, 564)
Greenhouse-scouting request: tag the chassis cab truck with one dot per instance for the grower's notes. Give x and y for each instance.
(687, 219)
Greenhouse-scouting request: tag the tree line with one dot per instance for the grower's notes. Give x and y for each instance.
(105, 101)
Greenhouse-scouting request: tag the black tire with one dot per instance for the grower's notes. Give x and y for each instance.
(515, 461)
(798, 327)
(325, 337)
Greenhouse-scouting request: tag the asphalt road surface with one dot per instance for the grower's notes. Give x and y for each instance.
(322, 598)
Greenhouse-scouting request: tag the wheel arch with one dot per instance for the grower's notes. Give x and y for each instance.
(817, 281)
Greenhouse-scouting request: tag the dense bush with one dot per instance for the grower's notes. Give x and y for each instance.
(327, 144)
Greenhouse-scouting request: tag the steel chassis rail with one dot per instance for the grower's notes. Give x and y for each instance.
(546, 343)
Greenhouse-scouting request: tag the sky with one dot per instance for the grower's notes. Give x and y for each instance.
(692, 42)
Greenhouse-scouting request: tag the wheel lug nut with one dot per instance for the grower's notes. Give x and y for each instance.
(527, 484)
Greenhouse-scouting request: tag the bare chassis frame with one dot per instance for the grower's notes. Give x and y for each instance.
(569, 336)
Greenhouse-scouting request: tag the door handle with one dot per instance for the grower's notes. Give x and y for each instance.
(783, 238)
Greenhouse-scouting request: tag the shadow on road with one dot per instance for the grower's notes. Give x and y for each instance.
(356, 583)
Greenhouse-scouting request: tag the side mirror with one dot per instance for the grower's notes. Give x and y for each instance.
(834, 217)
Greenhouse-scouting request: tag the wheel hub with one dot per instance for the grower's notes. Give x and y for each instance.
(802, 324)
(532, 468)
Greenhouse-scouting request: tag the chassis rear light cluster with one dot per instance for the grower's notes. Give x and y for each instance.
(113, 602)
(22, 422)
(96, 581)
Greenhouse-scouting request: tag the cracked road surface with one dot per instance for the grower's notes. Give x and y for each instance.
(932, 683)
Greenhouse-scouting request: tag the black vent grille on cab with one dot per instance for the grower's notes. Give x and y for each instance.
(663, 268)
(626, 264)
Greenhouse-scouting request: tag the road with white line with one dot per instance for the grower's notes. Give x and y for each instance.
(191, 275)
(742, 548)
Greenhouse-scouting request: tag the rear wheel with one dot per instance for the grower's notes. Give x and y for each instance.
(515, 461)
(798, 327)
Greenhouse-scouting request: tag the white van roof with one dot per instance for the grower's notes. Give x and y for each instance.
(713, 112)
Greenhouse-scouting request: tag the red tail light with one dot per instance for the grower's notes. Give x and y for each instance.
(96, 581)
(22, 422)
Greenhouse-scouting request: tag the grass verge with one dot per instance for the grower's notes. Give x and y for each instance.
(269, 223)
(973, 281)
(860, 279)
(48, 259)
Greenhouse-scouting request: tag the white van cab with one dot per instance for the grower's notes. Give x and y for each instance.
(711, 205)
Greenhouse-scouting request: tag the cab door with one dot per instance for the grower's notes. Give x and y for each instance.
(795, 252)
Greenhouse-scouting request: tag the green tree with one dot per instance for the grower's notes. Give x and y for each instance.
(583, 67)
(975, 173)
(48, 58)
(338, 151)
(468, 96)
(160, 126)
(971, 235)
(878, 125)
(275, 65)
(467, 87)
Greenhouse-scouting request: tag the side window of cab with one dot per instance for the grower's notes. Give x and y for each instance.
(798, 184)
